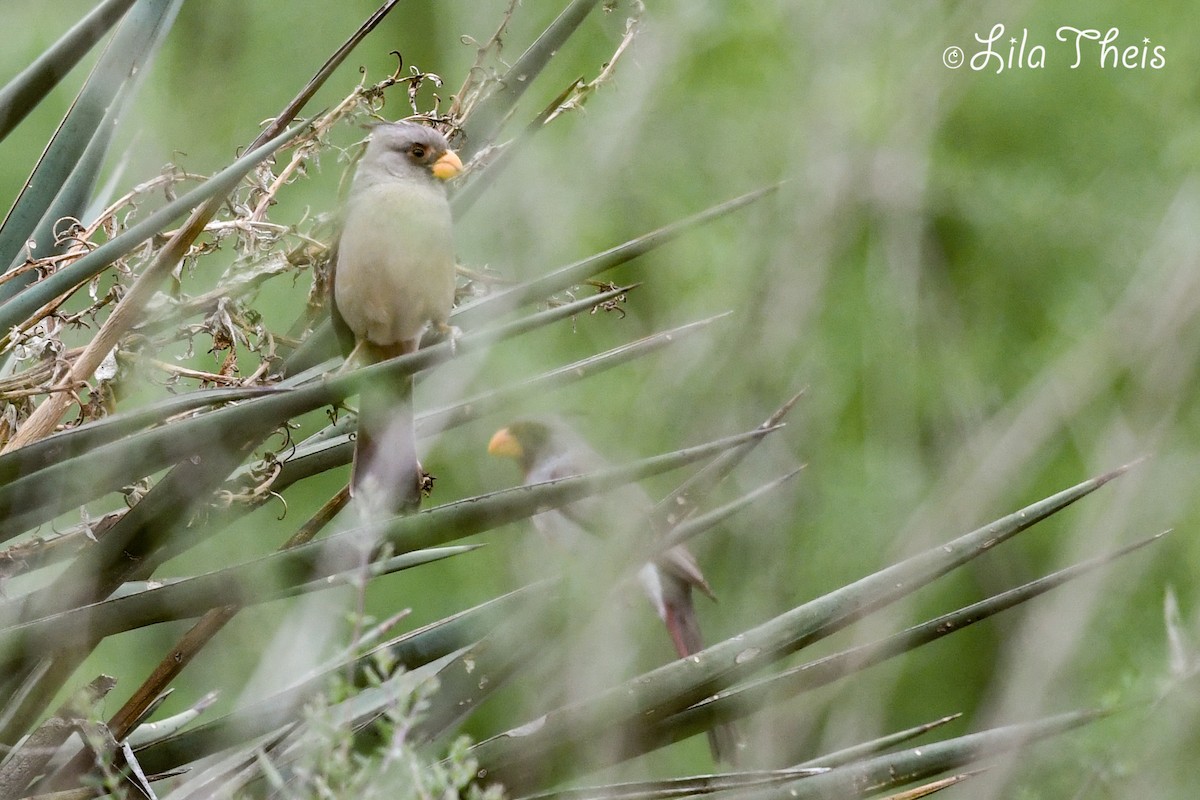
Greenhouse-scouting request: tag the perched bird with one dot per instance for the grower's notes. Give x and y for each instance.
(548, 449)
(393, 277)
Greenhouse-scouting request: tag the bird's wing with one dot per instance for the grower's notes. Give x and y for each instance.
(594, 514)
(341, 330)
(586, 514)
(679, 563)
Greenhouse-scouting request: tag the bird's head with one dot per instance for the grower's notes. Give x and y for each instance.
(529, 441)
(406, 149)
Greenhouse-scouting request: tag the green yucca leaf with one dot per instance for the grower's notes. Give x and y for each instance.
(682, 502)
(743, 700)
(141, 704)
(56, 487)
(858, 752)
(125, 551)
(493, 109)
(22, 94)
(483, 177)
(72, 198)
(262, 592)
(74, 638)
(318, 559)
(892, 770)
(506, 300)
(512, 758)
(386, 566)
(19, 308)
(228, 772)
(493, 400)
(125, 58)
(695, 526)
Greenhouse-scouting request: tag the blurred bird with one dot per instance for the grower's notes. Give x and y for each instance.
(548, 449)
(393, 277)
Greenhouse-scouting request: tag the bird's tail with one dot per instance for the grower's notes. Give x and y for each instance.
(386, 476)
(684, 627)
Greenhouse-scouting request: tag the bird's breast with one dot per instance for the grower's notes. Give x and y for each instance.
(395, 268)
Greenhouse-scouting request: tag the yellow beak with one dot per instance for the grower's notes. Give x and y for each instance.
(504, 444)
(447, 166)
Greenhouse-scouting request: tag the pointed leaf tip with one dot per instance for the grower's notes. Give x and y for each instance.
(788, 405)
(1117, 472)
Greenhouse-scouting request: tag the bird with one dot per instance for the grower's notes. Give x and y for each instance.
(546, 449)
(393, 278)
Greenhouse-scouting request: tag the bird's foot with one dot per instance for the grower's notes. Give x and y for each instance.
(451, 334)
(425, 483)
(348, 362)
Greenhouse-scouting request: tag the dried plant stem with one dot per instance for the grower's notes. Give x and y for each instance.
(584, 90)
(181, 372)
(479, 79)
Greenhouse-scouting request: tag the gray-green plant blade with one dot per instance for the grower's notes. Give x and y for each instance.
(149, 732)
(858, 752)
(71, 199)
(22, 94)
(493, 109)
(683, 501)
(134, 43)
(506, 300)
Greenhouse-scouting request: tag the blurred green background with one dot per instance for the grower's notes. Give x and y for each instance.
(988, 284)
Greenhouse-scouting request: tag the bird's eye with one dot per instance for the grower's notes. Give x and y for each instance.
(418, 151)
